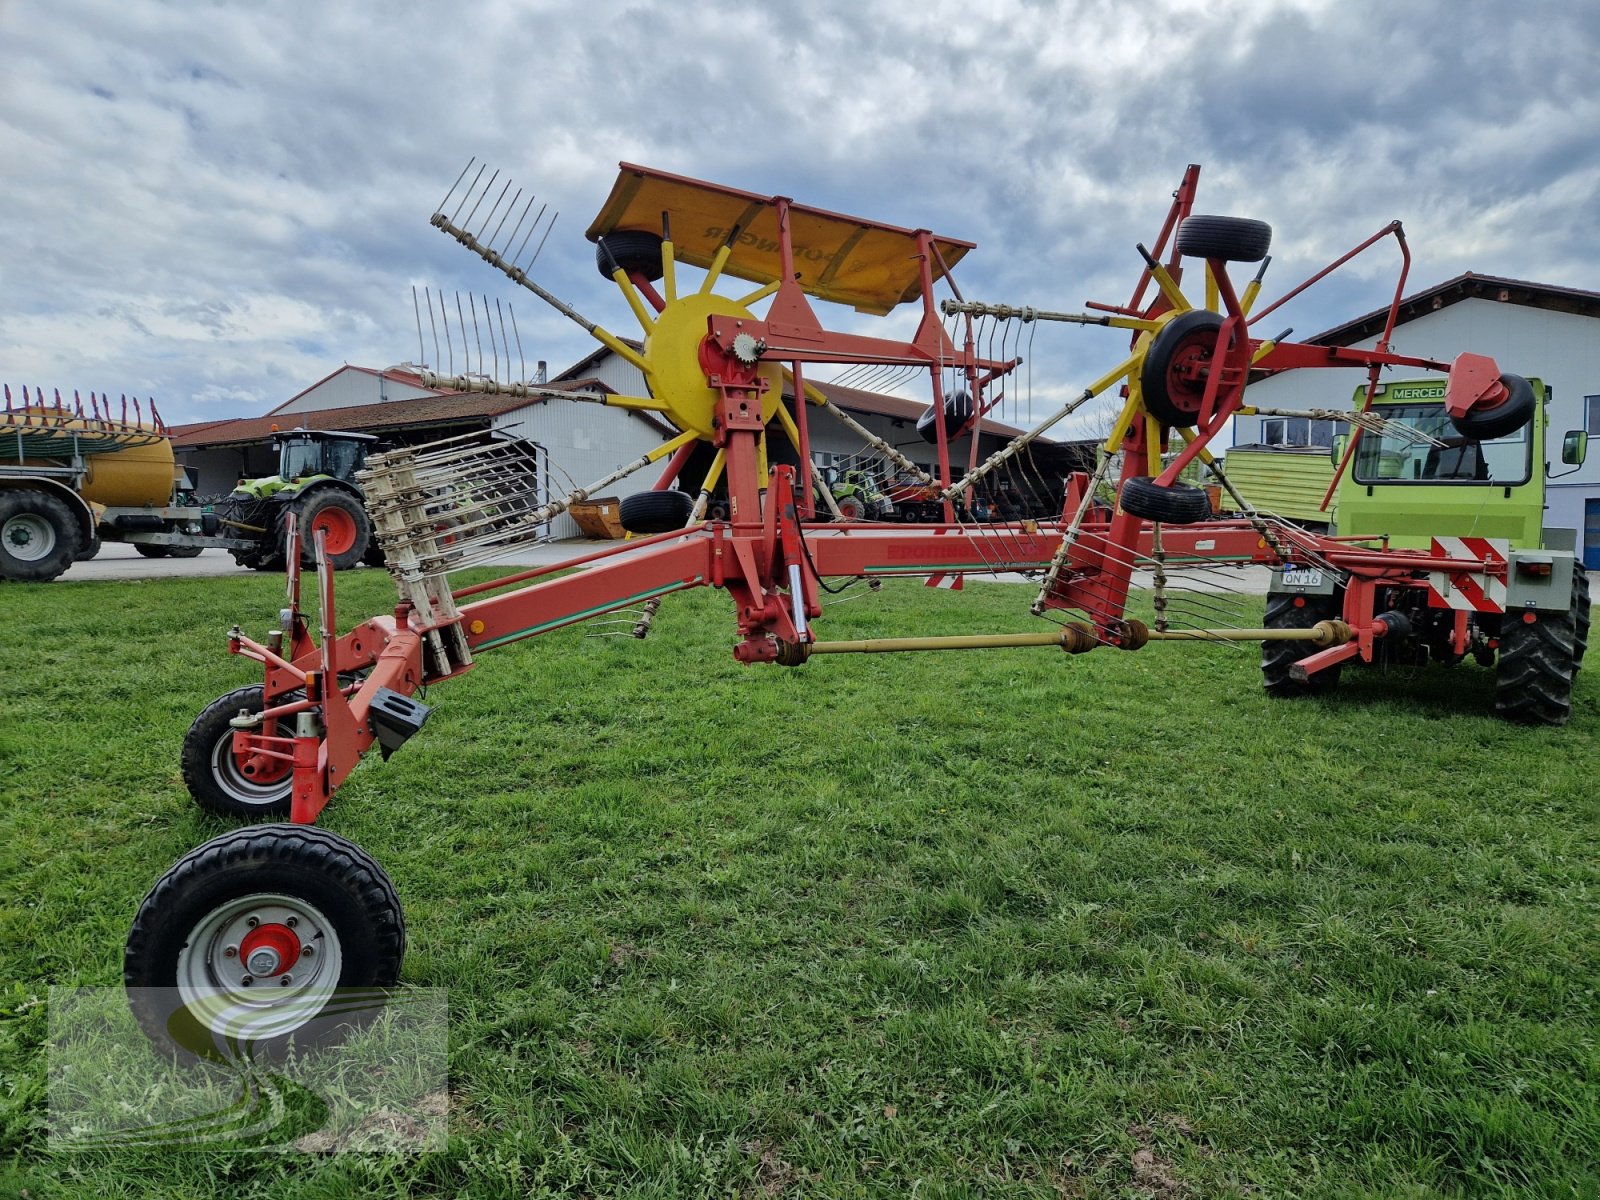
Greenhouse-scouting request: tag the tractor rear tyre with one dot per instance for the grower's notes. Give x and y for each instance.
(1580, 614)
(1278, 657)
(39, 536)
(344, 525)
(1533, 678)
(852, 508)
(262, 937)
(1510, 415)
(1173, 377)
(655, 512)
(636, 251)
(1179, 504)
(215, 778)
(1232, 239)
(89, 551)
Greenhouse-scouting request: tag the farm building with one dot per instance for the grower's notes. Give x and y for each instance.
(1533, 329)
(579, 442)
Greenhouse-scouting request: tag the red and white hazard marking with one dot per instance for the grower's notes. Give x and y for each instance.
(1475, 591)
(951, 580)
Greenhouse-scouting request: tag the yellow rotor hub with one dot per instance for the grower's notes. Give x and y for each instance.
(673, 369)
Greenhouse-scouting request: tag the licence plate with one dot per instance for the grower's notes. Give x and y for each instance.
(1302, 576)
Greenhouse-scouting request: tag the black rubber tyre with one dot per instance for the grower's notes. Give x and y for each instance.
(1533, 677)
(1510, 415)
(655, 512)
(374, 555)
(184, 551)
(1179, 504)
(39, 536)
(87, 552)
(1277, 658)
(321, 893)
(147, 550)
(1232, 239)
(1580, 614)
(853, 508)
(212, 776)
(636, 251)
(1185, 345)
(347, 539)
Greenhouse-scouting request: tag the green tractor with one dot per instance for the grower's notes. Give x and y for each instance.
(315, 482)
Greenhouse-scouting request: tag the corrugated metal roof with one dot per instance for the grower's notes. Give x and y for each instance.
(449, 408)
(1467, 286)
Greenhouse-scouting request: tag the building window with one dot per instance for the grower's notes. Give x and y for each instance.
(1299, 431)
(1591, 414)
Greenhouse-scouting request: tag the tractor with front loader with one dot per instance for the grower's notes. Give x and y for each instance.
(262, 936)
(316, 485)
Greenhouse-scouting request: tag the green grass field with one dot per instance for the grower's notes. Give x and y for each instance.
(1003, 924)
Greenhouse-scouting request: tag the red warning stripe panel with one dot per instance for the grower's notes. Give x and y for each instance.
(1476, 591)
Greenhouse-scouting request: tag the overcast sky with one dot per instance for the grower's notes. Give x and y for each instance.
(217, 205)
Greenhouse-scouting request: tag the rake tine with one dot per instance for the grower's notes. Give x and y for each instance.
(457, 183)
(487, 188)
(510, 208)
(467, 195)
(495, 209)
(518, 255)
(540, 247)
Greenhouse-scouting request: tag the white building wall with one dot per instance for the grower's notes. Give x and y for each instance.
(582, 443)
(351, 387)
(1562, 349)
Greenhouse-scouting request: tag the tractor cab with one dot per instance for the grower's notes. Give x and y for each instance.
(304, 453)
(1423, 477)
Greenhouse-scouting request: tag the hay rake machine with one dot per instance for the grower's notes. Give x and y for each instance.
(251, 938)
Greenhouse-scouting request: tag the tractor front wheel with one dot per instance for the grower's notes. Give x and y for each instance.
(217, 780)
(1278, 658)
(343, 523)
(263, 936)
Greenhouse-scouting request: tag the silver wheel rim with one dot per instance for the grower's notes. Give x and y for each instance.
(28, 537)
(231, 778)
(266, 996)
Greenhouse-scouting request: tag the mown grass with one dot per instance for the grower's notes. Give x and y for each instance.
(988, 924)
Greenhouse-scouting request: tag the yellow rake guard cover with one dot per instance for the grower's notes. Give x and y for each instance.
(847, 260)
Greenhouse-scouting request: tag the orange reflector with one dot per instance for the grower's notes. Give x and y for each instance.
(475, 627)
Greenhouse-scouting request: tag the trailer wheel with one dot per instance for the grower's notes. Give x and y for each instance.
(214, 777)
(260, 937)
(1510, 415)
(38, 536)
(1173, 376)
(184, 551)
(1533, 679)
(1179, 504)
(146, 550)
(636, 251)
(344, 525)
(1277, 658)
(1233, 239)
(655, 512)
